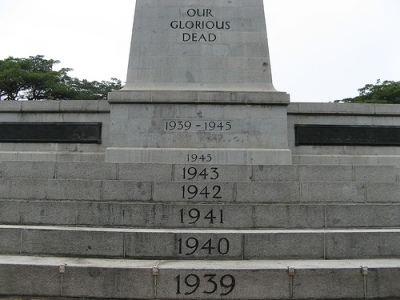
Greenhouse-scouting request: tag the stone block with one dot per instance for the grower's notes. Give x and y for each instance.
(10, 106)
(10, 212)
(12, 169)
(124, 190)
(289, 216)
(48, 213)
(363, 215)
(350, 192)
(33, 280)
(72, 242)
(275, 173)
(284, 244)
(375, 173)
(104, 106)
(393, 160)
(268, 192)
(324, 283)
(194, 192)
(115, 214)
(86, 170)
(230, 280)
(27, 188)
(40, 106)
(383, 282)
(325, 173)
(108, 279)
(352, 244)
(383, 192)
(70, 189)
(10, 238)
(145, 172)
(80, 106)
(5, 188)
(145, 244)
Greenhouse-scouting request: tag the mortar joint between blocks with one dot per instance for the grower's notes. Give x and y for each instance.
(55, 174)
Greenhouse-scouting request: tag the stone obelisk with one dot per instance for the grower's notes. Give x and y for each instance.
(199, 87)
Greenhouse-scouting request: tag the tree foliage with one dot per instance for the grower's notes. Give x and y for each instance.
(386, 92)
(35, 78)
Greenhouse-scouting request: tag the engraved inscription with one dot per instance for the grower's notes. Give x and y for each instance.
(196, 23)
(192, 173)
(201, 192)
(195, 126)
(192, 245)
(202, 158)
(194, 215)
(208, 284)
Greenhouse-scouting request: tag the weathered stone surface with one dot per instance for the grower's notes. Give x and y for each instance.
(347, 244)
(337, 282)
(289, 216)
(284, 245)
(127, 280)
(364, 215)
(72, 242)
(32, 280)
(349, 192)
(268, 192)
(197, 46)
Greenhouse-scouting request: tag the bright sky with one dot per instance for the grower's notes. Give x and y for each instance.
(321, 50)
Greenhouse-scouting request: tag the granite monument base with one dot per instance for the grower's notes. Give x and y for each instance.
(222, 133)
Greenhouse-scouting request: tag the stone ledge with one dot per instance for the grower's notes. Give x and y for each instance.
(51, 277)
(199, 97)
(343, 109)
(55, 106)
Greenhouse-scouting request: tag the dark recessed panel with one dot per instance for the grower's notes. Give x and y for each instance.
(12, 132)
(341, 135)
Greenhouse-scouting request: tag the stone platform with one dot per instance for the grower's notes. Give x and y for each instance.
(158, 231)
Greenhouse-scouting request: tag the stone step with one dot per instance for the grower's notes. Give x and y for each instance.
(184, 244)
(199, 215)
(194, 192)
(34, 155)
(196, 173)
(164, 279)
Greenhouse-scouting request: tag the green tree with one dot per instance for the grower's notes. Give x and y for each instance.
(386, 92)
(94, 90)
(42, 80)
(12, 78)
(34, 78)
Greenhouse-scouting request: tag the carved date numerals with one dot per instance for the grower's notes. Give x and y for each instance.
(208, 126)
(207, 192)
(208, 284)
(192, 245)
(191, 173)
(193, 215)
(199, 158)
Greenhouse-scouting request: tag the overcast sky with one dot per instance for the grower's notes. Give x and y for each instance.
(321, 50)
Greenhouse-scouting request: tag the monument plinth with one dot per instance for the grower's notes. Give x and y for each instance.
(199, 84)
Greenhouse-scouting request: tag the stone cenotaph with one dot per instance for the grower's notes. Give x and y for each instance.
(199, 88)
